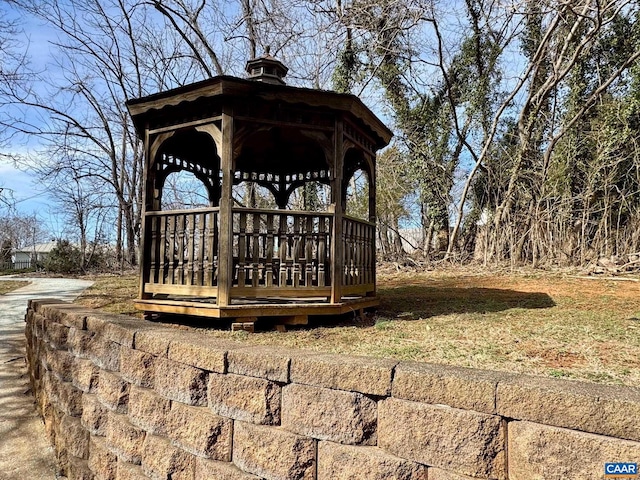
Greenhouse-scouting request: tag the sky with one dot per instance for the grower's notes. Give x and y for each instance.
(20, 186)
(27, 195)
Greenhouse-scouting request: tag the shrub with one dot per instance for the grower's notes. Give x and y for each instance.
(64, 258)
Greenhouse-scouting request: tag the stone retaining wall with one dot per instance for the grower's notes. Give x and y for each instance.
(128, 399)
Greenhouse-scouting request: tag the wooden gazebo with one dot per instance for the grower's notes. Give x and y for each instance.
(231, 261)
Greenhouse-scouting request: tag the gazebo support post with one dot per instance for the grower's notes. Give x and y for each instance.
(225, 259)
(372, 219)
(148, 186)
(338, 209)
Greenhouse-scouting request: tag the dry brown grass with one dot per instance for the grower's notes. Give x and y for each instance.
(540, 323)
(7, 286)
(112, 293)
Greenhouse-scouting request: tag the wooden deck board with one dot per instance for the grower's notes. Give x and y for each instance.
(253, 307)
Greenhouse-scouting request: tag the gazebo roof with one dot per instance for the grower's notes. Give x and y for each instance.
(222, 87)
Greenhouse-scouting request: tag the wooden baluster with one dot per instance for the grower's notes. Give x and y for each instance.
(163, 262)
(201, 247)
(365, 254)
(180, 227)
(268, 274)
(322, 253)
(353, 244)
(242, 248)
(347, 252)
(210, 253)
(172, 250)
(295, 251)
(361, 252)
(372, 254)
(191, 247)
(215, 218)
(354, 253)
(357, 264)
(370, 249)
(282, 250)
(255, 250)
(308, 240)
(153, 265)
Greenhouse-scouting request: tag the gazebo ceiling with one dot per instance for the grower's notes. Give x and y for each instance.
(280, 151)
(192, 146)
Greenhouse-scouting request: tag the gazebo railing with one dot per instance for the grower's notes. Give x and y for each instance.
(183, 252)
(281, 252)
(359, 267)
(276, 253)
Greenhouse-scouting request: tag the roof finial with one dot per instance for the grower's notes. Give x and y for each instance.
(267, 69)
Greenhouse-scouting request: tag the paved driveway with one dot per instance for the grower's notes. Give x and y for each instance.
(24, 450)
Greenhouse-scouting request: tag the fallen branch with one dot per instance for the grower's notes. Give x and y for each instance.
(620, 279)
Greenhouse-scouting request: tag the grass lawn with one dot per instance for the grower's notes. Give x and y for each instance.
(539, 323)
(7, 286)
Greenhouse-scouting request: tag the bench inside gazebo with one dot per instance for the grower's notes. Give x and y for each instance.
(233, 261)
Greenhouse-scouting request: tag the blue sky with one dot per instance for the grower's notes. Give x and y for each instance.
(28, 195)
(19, 185)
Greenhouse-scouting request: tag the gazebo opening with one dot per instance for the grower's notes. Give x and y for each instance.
(282, 160)
(259, 199)
(359, 197)
(183, 190)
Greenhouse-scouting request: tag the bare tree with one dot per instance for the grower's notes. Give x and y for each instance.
(566, 35)
(13, 64)
(78, 114)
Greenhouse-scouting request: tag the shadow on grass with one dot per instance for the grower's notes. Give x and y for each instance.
(414, 302)
(400, 303)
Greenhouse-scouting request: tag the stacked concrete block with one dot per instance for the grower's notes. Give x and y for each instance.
(127, 399)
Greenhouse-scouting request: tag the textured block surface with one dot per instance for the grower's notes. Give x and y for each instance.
(180, 382)
(137, 367)
(113, 391)
(602, 409)
(345, 462)
(273, 453)
(74, 437)
(94, 415)
(198, 431)
(124, 439)
(541, 452)
(206, 468)
(244, 398)
(357, 374)
(124, 399)
(441, 384)
(461, 441)
(162, 460)
(336, 415)
(129, 471)
(203, 353)
(102, 462)
(148, 410)
(84, 375)
(264, 362)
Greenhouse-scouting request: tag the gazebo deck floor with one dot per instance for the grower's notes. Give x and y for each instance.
(254, 307)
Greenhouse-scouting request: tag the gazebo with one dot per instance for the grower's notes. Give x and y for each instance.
(228, 260)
